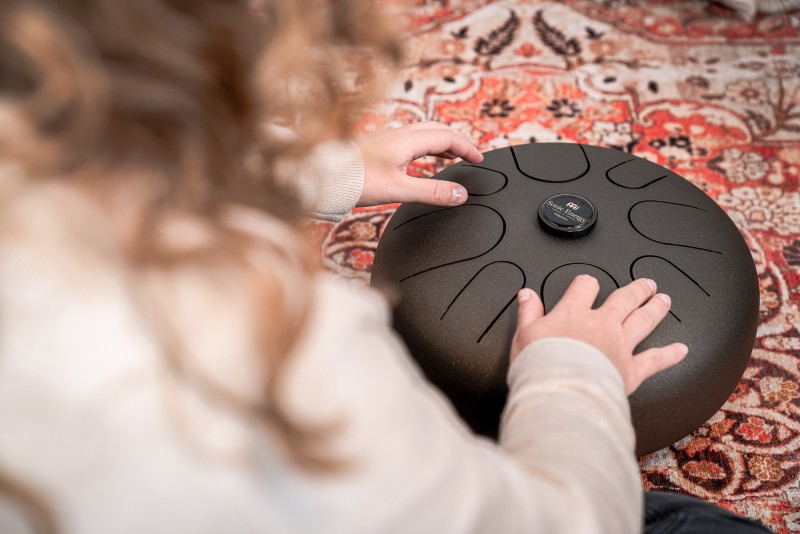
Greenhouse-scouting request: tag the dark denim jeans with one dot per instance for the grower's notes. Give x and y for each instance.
(667, 513)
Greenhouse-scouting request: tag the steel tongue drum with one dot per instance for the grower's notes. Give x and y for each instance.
(537, 216)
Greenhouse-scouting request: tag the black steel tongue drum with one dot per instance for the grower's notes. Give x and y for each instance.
(537, 216)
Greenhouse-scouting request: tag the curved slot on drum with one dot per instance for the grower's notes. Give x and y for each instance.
(481, 302)
(565, 162)
(679, 225)
(478, 181)
(448, 236)
(635, 174)
(672, 280)
(556, 283)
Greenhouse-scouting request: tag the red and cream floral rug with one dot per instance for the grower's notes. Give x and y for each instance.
(686, 84)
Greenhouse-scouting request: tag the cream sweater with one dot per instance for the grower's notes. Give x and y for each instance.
(90, 414)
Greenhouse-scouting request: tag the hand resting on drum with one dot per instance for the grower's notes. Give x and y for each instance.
(626, 318)
(388, 153)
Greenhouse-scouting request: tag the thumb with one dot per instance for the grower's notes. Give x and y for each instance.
(433, 192)
(530, 309)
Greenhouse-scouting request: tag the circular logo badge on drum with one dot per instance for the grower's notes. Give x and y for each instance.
(567, 215)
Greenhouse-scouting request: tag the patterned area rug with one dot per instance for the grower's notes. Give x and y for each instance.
(685, 84)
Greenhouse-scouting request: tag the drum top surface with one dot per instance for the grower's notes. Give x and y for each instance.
(537, 216)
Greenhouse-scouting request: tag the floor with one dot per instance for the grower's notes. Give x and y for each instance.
(686, 84)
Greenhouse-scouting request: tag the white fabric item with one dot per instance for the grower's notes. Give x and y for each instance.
(329, 180)
(745, 8)
(748, 9)
(777, 6)
(92, 417)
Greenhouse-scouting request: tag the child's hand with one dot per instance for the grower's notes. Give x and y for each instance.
(616, 328)
(387, 155)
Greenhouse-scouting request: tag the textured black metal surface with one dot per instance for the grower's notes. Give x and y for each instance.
(456, 272)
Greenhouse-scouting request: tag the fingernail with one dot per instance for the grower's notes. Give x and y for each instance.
(458, 194)
(665, 298)
(652, 284)
(683, 350)
(523, 295)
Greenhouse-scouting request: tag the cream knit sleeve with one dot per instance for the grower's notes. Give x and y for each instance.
(564, 463)
(330, 179)
(567, 418)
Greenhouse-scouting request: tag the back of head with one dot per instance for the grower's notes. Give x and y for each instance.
(160, 107)
(181, 87)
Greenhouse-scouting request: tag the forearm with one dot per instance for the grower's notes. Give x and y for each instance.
(567, 421)
(330, 179)
(338, 175)
(565, 462)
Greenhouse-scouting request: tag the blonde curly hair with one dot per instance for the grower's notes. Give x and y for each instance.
(164, 103)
